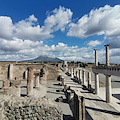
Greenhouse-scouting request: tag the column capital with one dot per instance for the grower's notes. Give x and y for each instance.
(107, 45)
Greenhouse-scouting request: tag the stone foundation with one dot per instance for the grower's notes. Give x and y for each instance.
(29, 108)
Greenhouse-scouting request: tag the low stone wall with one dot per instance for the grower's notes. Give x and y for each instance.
(29, 108)
(18, 70)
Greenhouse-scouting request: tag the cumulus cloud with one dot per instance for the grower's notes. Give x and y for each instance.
(102, 21)
(24, 39)
(58, 19)
(94, 43)
(30, 28)
(6, 27)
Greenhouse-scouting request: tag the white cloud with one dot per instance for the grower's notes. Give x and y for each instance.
(58, 19)
(23, 40)
(6, 27)
(94, 43)
(104, 20)
(30, 28)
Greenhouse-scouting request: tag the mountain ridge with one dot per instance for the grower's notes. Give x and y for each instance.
(44, 58)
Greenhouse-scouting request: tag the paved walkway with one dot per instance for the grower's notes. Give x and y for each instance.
(97, 108)
(52, 87)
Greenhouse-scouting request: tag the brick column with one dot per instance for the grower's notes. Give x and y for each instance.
(10, 72)
(108, 89)
(30, 81)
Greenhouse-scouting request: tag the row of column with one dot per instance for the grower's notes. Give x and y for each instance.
(81, 76)
(28, 75)
(30, 81)
(108, 77)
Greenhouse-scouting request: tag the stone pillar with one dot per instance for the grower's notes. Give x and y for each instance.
(107, 54)
(96, 59)
(69, 93)
(108, 89)
(96, 75)
(89, 80)
(30, 81)
(81, 76)
(79, 107)
(37, 80)
(26, 74)
(10, 72)
(77, 74)
(62, 79)
(66, 88)
(72, 73)
(84, 78)
(96, 83)
(66, 66)
(68, 70)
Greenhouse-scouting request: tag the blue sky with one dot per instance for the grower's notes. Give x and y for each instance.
(67, 29)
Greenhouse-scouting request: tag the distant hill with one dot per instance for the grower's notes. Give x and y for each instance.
(45, 59)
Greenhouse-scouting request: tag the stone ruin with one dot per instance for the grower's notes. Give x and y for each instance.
(15, 104)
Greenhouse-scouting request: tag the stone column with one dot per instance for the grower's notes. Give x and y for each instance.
(62, 79)
(89, 80)
(77, 74)
(10, 72)
(72, 73)
(37, 80)
(30, 81)
(107, 54)
(96, 83)
(108, 89)
(69, 94)
(84, 78)
(79, 107)
(26, 74)
(96, 74)
(81, 76)
(96, 59)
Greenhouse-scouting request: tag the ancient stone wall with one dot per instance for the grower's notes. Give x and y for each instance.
(20, 68)
(29, 109)
(52, 73)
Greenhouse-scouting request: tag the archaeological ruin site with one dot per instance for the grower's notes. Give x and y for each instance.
(59, 91)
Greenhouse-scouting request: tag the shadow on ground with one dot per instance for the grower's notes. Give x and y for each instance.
(116, 96)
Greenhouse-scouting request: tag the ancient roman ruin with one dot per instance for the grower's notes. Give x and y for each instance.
(23, 90)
